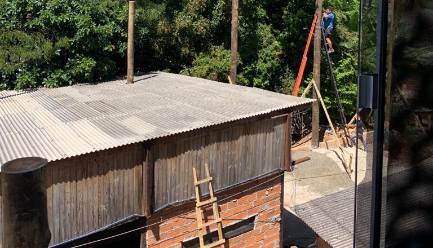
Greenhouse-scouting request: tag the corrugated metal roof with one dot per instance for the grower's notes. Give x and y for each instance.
(331, 217)
(70, 121)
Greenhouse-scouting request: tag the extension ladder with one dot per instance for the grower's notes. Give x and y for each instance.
(199, 211)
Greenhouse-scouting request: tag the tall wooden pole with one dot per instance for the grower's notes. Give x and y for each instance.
(24, 204)
(234, 42)
(316, 75)
(130, 69)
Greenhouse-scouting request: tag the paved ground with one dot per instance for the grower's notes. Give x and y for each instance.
(319, 199)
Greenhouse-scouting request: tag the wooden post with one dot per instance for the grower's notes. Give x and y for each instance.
(24, 204)
(316, 76)
(234, 42)
(349, 164)
(147, 191)
(130, 69)
(389, 73)
(287, 147)
(147, 182)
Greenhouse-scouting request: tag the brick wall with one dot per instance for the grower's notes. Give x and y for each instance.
(179, 223)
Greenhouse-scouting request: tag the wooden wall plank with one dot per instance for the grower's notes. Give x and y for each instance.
(138, 176)
(80, 198)
(95, 192)
(49, 171)
(131, 191)
(110, 189)
(126, 179)
(234, 154)
(87, 192)
(55, 232)
(106, 202)
(64, 201)
(73, 232)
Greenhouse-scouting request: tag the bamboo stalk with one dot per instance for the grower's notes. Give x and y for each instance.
(307, 89)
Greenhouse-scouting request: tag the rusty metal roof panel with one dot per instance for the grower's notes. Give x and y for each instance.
(70, 121)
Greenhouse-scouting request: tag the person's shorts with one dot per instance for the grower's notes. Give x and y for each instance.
(328, 32)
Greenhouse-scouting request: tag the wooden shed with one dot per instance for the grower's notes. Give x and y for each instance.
(117, 149)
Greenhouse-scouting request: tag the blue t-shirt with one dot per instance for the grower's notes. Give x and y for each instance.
(327, 22)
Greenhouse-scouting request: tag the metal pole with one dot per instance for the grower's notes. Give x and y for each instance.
(379, 122)
(355, 198)
(316, 76)
(130, 69)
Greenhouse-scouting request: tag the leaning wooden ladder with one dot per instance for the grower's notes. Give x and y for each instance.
(199, 211)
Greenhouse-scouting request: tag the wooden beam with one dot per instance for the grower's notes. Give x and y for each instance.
(234, 42)
(304, 94)
(24, 204)
(147, 198)
(147, 181)
(130, 69)
(353, 119)
(316, 75)
(287, 147)
(301, 160)
(348, 164)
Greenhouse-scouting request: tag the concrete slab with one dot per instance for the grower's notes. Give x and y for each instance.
(320, 193)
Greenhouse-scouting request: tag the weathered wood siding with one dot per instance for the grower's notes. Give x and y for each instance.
(234, 155)
(91, 191)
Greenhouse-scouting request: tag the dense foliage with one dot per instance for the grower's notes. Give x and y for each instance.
(54, 43)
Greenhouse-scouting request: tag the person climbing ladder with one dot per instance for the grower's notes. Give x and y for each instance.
(328, 19)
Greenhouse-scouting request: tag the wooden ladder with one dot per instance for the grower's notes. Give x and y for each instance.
(199, 211)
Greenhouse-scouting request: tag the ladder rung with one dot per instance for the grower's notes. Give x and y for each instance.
(209, 223)
(209, 201)
(203, 181)
(216, 243)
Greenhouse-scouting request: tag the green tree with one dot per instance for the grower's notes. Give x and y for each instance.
(55, 43)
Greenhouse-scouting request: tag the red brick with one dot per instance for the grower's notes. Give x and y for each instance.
(247, 199)
(275, 203)
(261, 194)
(165, 227)
(259, 237)
(232, 204)
(238, 245)
(232, 212)
(180, 222)
(223, 208)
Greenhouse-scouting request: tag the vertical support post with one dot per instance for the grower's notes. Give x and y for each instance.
(24, 215)
(288, 144)
(379, 123)
(234, 42)
(389, 74)
(316, 75)
(130, 66)
(146, 201)
(147, 182)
